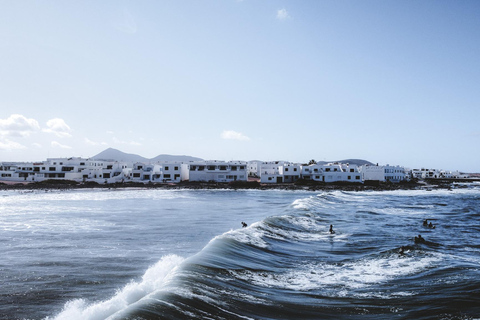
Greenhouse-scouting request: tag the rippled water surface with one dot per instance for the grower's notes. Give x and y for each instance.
(182, 254)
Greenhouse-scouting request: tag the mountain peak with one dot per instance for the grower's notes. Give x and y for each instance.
(117, 155)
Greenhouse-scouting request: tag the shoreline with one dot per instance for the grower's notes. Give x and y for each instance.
(239, 185)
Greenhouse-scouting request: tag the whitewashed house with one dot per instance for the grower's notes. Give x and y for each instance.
(213, 170)
(436, 174)
(75, 169)
(172, 171)
(143, 172)
(335, 172)
(291, 172)
(384, 173)
(271, 172)
(253, 168)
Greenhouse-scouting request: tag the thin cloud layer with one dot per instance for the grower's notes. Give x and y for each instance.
(58, 127)
(18, 125)
(233, 135)
(7, 145)
(282, 14)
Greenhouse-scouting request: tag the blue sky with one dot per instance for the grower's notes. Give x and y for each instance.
(392, 82)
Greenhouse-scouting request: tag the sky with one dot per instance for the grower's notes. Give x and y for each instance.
(391, 82)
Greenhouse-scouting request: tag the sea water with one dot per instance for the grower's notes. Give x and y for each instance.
(183, 254)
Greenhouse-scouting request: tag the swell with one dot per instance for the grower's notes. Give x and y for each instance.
(289, 266)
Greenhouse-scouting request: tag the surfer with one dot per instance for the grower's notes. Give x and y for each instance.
(425, 222)
(419, 239)
(431, 226)
(331, 229)
(402, 251)
(244, 225)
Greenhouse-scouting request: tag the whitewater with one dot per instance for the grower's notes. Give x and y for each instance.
(183, 254)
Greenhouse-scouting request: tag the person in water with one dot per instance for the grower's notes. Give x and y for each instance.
(244, 225)
(419, 239)
(402, 251)
(425, 222)
(431, 226)
(331, 229)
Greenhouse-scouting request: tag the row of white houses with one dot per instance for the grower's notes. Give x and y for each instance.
(100, 171)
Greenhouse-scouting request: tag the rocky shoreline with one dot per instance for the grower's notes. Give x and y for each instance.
(300, 185)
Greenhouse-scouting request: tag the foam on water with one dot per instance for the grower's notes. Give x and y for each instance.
(153, 279)
(340, 279)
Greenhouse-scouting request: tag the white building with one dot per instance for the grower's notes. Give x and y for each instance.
(384, 173)
(75, 169)
(334, 172)
(253, 168)
(291, 172)
(436, 174)
(271, 172)
(213, 170)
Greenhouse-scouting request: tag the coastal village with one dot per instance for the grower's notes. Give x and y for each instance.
(104, 171)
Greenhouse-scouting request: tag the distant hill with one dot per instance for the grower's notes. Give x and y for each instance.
(358, 162)
(117, 155)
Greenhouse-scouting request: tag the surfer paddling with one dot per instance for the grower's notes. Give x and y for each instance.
(419, 239)
(331, 229)
(244, 225)
(428, 224)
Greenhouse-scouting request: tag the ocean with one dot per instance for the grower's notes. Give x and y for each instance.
(183, 254)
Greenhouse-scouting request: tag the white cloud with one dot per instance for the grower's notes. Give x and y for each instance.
(36, 145)
(282, 14)
(18, 125)
(233, 135)
(6, 144)
(58, 127)
(56, 144)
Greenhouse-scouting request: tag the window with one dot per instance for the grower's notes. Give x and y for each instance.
(166, 176)
(294, 169)
(166, 168)
(51, 169)
(349, 177)
(223, 168)
(352, 170)
(286, 169)
(357, 177)
(176, 168)
(136, 175)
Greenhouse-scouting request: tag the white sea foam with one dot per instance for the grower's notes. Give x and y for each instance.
(153, 279)
(339, 279)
